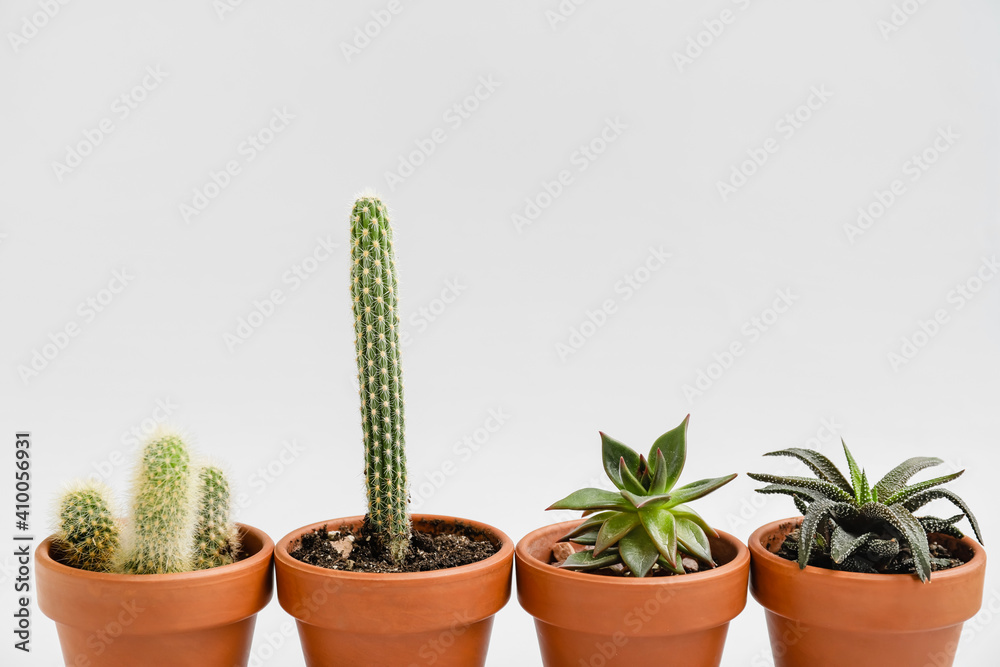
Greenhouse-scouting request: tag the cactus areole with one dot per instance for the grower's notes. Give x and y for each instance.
(375, 298)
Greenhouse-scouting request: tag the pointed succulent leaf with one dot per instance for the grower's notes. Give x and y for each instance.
(662, 529)
(661, 480)
(614, 529)
(588, 538)
(592, 522)
(676, 568)
(933, 524)
(819, 464)
(638, 552)
(855, 471)
(910, 491)
(695, 490)
(818, 512)
(906, 525)
(646, 501)
(673, 445)
(847, 512)
(916, 502)
(584, 560)
(629, 480)
(591, 499)
(685, 512)
(800, 504)
(794, 491)
(692, 539)
(866, 491)
(896, 478)
(643, 471)
(844, 543)
(855, 564)
(807, 486)
(612, 452)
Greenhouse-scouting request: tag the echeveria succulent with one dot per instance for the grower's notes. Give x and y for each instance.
(645, 522)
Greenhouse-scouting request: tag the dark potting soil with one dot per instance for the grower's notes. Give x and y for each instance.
(356, 551)
(942, 557)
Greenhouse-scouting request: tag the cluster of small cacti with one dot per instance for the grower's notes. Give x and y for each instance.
(180, 519)
(854, 526)
(376, 324)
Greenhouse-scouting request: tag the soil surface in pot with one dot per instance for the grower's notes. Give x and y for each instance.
(356, 551)
(942, 558)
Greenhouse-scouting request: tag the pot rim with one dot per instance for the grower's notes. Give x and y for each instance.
(283, 557)
(45, 560)
(738, 562)
(758, 550)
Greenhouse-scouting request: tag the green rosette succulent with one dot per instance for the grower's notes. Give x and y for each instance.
(646, 523)
(853, 526)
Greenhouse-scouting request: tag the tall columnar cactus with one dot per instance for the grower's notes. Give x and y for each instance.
(376, 324)
(163, 510)
(216, 541)
(88, 533)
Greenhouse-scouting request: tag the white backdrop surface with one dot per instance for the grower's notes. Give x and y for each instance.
(779, 217)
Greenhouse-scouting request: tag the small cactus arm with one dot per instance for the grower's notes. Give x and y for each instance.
(216, 540)
(163, 510)
(88, 534)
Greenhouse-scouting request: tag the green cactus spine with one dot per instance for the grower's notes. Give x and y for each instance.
(376, 324)
(216, 541)
(163, 510)
(88, 534)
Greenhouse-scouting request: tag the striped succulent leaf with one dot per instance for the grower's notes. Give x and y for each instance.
(862, 528)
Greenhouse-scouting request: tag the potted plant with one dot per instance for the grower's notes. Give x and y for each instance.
(850, 582)
(389, 588)
(175, 583)
(643, 578)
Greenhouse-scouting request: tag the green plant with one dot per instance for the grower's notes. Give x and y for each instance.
(88, 532)
(179, 521)
(645, 523)
(216, 541)
(162, 527)
(850, 525)
(376, 324)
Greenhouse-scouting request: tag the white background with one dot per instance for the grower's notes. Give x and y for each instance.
(888, 90)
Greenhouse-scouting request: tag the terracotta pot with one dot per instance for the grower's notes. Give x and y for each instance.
(443, 617)
(824, 618)
(203, 618)
(588, 620)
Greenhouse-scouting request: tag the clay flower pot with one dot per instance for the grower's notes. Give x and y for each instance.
(824, 618)
(443, 617)
(588, 620)
(203, 618)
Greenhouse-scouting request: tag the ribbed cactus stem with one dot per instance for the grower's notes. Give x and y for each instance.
(216, 541)
(88, 534)
(376, 323)
(163, 510)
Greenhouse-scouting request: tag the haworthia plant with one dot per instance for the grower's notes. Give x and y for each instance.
(375, 296)
(851, 525)
(88, 532)
(645, 523)
(180, 518)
